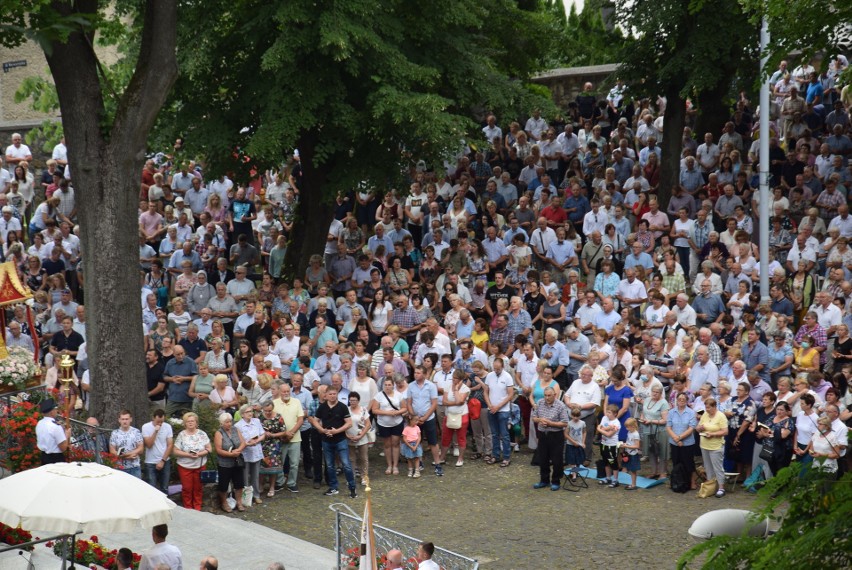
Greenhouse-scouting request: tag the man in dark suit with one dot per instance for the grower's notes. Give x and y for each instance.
(222, 274)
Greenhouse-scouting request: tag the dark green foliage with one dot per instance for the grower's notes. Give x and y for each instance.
(814, 513)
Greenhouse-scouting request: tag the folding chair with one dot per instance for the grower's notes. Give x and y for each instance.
(575, 484)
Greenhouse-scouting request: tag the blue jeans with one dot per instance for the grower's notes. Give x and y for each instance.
(501, 448)
(159, 479)
(341, 448)
(135, 471)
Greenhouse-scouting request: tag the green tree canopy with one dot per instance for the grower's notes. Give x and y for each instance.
(363, 88)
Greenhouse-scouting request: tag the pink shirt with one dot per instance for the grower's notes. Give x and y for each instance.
(411, 434)
(660, 219)
(150, 222)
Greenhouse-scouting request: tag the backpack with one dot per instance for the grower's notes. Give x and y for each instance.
(679, 480)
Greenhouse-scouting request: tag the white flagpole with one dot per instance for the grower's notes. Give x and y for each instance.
(368, 537)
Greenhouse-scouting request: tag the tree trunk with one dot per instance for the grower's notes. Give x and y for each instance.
(106, 163)
(673, 123)
(713, 113)
(314, 216)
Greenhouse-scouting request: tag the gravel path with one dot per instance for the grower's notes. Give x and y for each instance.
(494, 515)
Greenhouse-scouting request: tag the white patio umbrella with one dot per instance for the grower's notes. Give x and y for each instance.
(84, 498)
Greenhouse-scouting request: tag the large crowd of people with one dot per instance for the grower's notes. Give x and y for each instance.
(532, 292)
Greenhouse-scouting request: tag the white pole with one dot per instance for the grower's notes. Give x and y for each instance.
(764, 163)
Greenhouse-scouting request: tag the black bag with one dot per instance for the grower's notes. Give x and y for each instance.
(767, 451)
(600, 464)
(679, 480)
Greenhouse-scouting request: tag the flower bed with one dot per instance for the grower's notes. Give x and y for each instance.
(13, 536)
(91, 553)
(17, 369)
(18, 430)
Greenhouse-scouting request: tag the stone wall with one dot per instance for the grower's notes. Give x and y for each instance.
(566, 83)
(18, 115)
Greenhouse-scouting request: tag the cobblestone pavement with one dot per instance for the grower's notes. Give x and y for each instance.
(494, 515)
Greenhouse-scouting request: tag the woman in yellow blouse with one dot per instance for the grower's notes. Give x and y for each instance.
(713, 427)
(806, 358)
(479, 336)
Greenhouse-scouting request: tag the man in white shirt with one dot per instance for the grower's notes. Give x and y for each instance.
(499, 393)
(60, 153)
(535, 125)
(585, 395)
(162, 552)
(540, 241)
(287, 349)
(16, 153)
(569, 144)
(686, 315)
(631, 291)
(829, 315)
(585, 315)
(491, 130)
(708, 155)
(704, 371)
(159, 440)
(595, 219)
(427, 549)
(843, 221)
(9, 223)
(221, 186)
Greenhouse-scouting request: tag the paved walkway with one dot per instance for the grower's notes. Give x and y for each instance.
(236, 543)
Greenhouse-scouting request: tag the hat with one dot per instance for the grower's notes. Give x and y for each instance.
(47, 406)
(179, 199)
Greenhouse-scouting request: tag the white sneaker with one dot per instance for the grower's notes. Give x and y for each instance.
(381, 454)
(363, 482)
(516, 447)
(411, 473)
(455, 452)
(460, 462)
(416, 474)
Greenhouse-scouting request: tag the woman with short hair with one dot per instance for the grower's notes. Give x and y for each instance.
(652, 420)
(252, 432)
(192, 446)
(712, 429)
(229, 444)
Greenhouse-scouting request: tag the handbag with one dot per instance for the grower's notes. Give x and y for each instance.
(474, 408)
(454, 420)
(708, 489)
(625, 458)
(767, 451)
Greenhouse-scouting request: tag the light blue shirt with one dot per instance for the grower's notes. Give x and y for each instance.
(558, 355)
(607, 321)
(680, 422)
(644, 260)
(464, 330)
(510, 234)
(561, 252)
(421, 397)
(700, 375)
